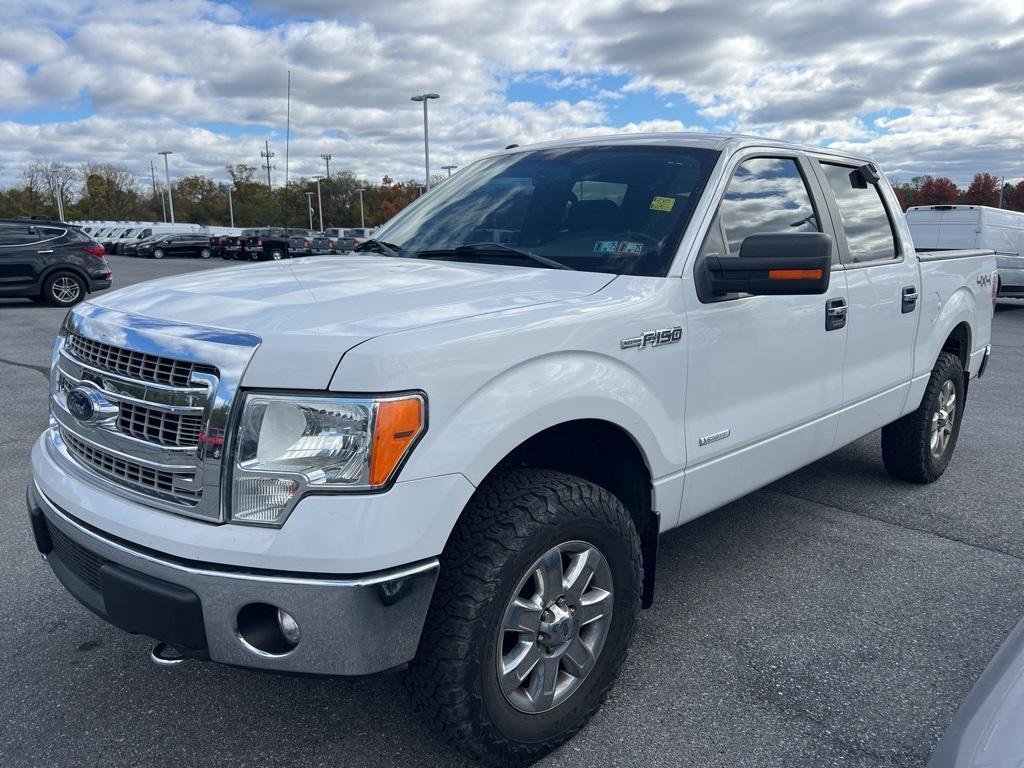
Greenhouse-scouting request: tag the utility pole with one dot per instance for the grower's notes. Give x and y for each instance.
(362, 218)
(319, 203)
(309, 207)
(167, 171)
(425, 97)
(287, 145)
(152, 173)
(267, 154)
(449, 168)
(231, 207)
(326, 157)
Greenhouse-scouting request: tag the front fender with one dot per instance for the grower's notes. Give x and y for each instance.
(544, 392)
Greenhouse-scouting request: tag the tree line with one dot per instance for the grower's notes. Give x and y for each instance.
(103, 191)
(985, 189)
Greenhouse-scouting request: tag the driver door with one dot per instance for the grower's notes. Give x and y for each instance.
(765, 373)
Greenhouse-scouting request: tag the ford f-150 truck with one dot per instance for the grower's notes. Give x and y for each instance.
(457, 454)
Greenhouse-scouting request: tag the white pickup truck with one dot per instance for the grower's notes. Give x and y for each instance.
(457, 454)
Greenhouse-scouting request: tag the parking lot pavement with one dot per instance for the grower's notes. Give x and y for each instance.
(836, 618)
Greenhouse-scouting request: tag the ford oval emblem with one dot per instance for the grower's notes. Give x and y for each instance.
(87, 405)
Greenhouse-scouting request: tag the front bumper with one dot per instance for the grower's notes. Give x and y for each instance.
(350, 625)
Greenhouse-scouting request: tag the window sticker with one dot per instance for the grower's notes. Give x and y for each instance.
(663, 204)
(625, 247)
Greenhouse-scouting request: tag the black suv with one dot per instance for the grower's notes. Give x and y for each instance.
(185, 244)
(50, 261)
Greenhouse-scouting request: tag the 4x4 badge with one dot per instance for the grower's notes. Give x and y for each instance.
(653, 338)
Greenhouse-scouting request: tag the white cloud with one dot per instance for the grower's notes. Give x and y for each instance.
(189, 74)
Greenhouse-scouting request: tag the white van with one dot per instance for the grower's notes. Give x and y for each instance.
(153, 229)
(952, 227)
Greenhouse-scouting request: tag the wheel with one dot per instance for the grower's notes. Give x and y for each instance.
(63, 289)
(205, 253)
(532, 616)
(158, 253)
(276, 254)
(918, 446)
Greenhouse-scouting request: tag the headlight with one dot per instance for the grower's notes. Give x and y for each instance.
(290, 445)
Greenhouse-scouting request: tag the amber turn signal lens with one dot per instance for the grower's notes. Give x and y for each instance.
(794, 274)
(399, 423)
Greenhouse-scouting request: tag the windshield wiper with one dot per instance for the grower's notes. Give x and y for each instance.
(493, 249)
(378, 246)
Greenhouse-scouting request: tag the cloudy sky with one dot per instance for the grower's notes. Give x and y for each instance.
(926, 87)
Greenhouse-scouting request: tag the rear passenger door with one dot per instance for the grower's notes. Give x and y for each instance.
(764, 381)
(21, 260)
(883, 284)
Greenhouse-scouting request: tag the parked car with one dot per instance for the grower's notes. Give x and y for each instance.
(50, 261)
(268, 243)
(949, 227)
(235, 247)
(188, 244)
(360, 234)
(301, 242)
(334, 240)
(461, 457)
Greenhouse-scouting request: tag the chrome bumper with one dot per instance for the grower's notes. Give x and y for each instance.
(348, 625)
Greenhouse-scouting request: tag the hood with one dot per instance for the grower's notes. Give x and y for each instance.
(309, 312)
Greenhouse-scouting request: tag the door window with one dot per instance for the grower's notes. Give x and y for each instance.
(866, 223)
(765, 195)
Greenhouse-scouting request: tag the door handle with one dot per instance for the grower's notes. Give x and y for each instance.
(47, 251)
(909, 299)
(835, 314)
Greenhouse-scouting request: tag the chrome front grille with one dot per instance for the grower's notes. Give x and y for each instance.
(134, 364)
(152, 419)
(131, 473)
(180, 430)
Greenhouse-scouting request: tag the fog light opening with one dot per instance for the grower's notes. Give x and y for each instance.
(267, 630)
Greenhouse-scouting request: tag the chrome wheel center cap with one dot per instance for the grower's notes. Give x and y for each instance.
(557, 626)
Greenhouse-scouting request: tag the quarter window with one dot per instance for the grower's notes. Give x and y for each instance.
(865, 221)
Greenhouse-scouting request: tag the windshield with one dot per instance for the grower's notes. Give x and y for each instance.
(616, 209)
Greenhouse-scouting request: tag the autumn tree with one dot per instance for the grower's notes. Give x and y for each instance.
(108, 192)
(937, 191)
(984, 190)
(1015, 200)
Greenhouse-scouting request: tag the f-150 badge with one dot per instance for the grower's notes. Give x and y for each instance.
(653, 338)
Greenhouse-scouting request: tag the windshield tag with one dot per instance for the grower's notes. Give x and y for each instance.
(626, 247)
(664, 204)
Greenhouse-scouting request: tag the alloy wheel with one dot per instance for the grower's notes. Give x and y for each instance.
(943, 419)
(554, 627)
(66, 290)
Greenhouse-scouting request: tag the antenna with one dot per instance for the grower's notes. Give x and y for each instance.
(287, 143)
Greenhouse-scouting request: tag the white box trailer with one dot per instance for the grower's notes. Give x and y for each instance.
(952, 227)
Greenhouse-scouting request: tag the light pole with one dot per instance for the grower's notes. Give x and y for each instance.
(319, 203)
(362, 218)
(231, 207)
(309, 207)
(326, 157)
(167, 172)
(425, 97)
(449, 168)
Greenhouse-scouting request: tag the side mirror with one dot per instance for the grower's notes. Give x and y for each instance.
(787, 264)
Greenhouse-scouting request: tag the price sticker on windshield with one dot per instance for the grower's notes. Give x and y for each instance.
(627, 247)
(663, 204)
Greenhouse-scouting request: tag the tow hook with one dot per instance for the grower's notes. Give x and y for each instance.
(164, 655)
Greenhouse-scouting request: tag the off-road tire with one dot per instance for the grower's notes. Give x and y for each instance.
(514, 517)
(906, 449)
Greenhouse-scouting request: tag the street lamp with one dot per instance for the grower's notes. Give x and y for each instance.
(319, 203)
(231, 207)
(309, 206)
(326, 157)
(425, 97)
(362, 218)
(449, 168)
(167, 171)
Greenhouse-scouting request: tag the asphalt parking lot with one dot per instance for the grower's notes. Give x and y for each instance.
(836, 618)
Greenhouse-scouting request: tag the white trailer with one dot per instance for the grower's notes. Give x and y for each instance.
(953, 227)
